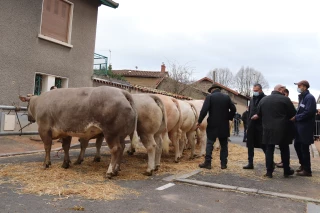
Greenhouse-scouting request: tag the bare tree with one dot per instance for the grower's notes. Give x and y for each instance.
(222, 76)
(246, 78)
(180, 77)
(181, 73)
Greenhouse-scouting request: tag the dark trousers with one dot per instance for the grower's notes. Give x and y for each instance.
(223, 150)
(251, 152)
(285, 158)
(245, 133)
(303, 153)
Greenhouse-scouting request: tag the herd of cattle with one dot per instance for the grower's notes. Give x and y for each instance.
(114, 114)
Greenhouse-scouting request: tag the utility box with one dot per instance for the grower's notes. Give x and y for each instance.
(9, 122)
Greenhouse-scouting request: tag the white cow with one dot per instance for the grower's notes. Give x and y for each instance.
(188, 126)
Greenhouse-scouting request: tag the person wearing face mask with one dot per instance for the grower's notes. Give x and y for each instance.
(254, 132)
(275, 111)
(304, 123)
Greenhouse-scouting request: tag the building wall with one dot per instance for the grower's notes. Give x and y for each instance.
(146, 82)
(203, 85)
(22, 53)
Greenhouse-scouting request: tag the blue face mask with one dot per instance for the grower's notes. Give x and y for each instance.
(255, 93)
(299, 90)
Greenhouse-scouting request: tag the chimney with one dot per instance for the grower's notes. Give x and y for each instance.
(163, 68)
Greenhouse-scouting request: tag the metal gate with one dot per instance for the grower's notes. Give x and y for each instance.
(13, 121)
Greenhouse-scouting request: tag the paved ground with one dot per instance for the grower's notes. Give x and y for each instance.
(178, 198)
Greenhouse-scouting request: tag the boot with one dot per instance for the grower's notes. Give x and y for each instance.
(291, 172)
(268, 175)
(249, 166)
(304, 173)
(205, 165)
(224, 166)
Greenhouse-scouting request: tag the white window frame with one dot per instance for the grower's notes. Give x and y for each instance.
(67, 44)
(66, 79)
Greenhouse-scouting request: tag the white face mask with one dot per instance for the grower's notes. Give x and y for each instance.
(299, 90)
(255, 93)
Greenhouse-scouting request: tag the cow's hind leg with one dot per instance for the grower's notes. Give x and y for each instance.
(46, 137)
(66, 147)
(83, 144)
(115, 150)
(159, 140)
(191, 141)
(97, 157)
(150, 144)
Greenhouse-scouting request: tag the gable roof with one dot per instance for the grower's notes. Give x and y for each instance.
(110, 3)
(222, 86)
(139, 88)
(139, 73)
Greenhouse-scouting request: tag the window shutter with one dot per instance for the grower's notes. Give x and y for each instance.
(55, 19)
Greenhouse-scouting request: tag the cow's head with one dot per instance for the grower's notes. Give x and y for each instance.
(28, 99)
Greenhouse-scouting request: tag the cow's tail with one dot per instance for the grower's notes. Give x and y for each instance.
(163, 127)
(178, 125)
(133, 135)
(196, 116)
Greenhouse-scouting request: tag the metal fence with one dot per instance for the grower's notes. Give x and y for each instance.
(19, 124)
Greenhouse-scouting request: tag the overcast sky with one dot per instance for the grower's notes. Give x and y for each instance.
(281, 39)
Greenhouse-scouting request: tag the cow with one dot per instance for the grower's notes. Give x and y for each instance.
(151, 126)
(85, 113)
(188, 126)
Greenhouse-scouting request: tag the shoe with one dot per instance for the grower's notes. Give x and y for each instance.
(291, 172)
(205, 165)
(279, 165)
(304, 174)
(249, 166)
(268, 175)
(224, 166)
(244, 141)
(300, 169)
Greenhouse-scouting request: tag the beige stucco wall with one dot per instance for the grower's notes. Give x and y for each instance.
(146, 82)
(22, 53)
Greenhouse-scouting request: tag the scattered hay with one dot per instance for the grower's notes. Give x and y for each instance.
(88, 180)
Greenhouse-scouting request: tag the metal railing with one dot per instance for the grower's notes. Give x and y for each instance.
(317, 129)
(16, 110)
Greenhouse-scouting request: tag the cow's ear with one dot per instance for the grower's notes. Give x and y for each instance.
(24, 99)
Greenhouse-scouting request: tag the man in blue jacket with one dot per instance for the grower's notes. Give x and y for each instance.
(304, 122)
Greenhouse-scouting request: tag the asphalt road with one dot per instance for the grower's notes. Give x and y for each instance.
(178, 198)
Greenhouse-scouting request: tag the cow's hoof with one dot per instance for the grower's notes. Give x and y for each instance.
(109, 175)
(46, 166)
(78, 162)
(150, 173)
(66, 164)
(96, 159)
(130, 152)
(157, 168)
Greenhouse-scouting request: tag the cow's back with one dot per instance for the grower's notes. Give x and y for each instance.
(78, 110)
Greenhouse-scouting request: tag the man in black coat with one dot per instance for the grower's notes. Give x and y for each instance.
(254, 132)
(275, 111)
(304, 122)
(244, 118)
(221, 110)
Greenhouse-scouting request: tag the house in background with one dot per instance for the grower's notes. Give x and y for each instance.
(45, 43)
(143, 78)
(238, 99)
(160, 80)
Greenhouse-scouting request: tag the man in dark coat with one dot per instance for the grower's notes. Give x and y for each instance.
(275, 111)
(221, 110)
(304, 121)
(254, 132)
(244, 118)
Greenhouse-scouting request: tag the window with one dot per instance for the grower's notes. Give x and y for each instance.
(44, 82)
(56, 24)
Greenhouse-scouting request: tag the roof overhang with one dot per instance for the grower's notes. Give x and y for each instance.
(110, 3)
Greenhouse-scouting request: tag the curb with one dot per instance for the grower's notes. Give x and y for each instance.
(246, 190)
